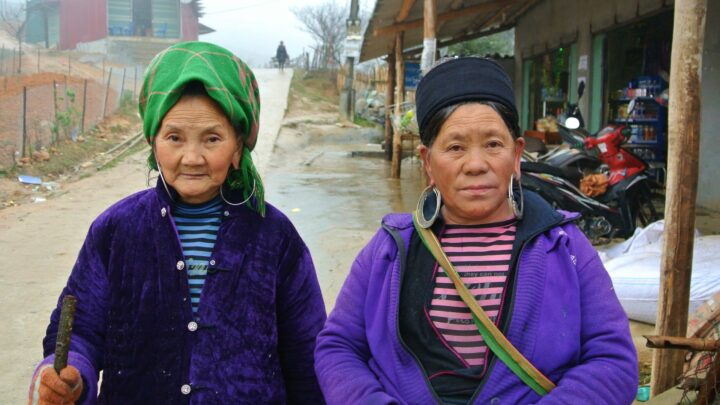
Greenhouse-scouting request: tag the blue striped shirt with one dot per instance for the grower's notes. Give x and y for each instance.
(197, 227)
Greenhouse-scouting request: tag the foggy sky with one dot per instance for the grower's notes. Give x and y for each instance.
(252, 29)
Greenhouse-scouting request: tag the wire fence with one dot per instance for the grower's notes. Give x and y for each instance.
(50, 96)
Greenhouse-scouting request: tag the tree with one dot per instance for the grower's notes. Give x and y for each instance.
(12, 21)
(326, 23)
(501, 43)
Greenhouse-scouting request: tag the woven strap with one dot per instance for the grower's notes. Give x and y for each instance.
(493, 337)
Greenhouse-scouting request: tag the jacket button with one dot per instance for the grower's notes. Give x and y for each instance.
(180, 265)
(192, 326)
(212, 262)
(163, 212)
(226, 213)
(185, 389)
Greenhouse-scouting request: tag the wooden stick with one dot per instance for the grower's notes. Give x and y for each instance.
(62, 344)
(672, 342)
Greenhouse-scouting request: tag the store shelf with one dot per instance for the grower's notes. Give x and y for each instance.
(635, 121)
(652, 125)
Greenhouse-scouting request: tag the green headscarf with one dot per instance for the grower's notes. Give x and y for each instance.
(227, 80)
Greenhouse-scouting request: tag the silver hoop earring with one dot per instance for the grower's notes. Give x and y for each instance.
(162, 179)
(517, 205)
(428, 207)
(240, 203)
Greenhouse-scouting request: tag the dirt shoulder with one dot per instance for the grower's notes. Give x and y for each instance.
(68, 161)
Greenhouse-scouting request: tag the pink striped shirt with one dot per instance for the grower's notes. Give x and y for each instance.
(482, 256)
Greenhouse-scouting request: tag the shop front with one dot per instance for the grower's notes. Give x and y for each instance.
(636, 66)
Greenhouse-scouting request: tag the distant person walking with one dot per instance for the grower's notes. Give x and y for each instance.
(281, 55)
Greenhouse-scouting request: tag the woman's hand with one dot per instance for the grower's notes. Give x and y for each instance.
(64, 389)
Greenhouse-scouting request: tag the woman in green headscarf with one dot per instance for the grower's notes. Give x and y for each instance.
(196, 290)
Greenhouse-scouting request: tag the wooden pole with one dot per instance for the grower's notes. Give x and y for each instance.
(429, 32)
(38, 60)
(82, 117)
(122, 86)
(107, 92)
(399, 97)
(389, 101)
(69, 64)
(681, 192)
(24, 121)
(55, 112)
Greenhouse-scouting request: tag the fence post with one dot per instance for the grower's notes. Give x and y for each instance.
(55, 135)
(2, 57)
(135, 82)
(24, 121)
(38, 60)
(69, 64)
(65, 94)
(82, 118)
(122, 87)
(107, 92)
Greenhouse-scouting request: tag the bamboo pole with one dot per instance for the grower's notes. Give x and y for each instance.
(683, 151)
(389, 101)
(399, 95)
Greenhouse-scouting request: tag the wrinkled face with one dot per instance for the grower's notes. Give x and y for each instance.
(471, 162)
(195, 146)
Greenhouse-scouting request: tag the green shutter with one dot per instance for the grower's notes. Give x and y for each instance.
(525, 111)
(120, 17)
(596, 73)
(166, 18)
(573, 84)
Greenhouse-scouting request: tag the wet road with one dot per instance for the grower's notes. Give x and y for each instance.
(335, 201)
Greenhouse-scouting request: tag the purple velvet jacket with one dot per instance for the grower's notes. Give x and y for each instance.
(565, 318)
(252, 340)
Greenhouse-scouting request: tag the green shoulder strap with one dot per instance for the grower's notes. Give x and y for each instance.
(493, 337)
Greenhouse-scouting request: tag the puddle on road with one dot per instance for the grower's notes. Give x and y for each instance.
(337, 203)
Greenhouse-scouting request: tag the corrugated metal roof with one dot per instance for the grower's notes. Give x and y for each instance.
(457, 21)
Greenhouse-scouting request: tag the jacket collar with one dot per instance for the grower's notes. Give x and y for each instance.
(169, 196)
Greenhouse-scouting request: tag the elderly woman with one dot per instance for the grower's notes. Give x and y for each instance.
(522, 312)
(195, 291)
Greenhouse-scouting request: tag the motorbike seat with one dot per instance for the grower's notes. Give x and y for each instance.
(568, 173)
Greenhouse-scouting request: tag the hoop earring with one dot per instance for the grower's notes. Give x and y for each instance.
(517, 206)
(162, 179)
(240, 203)
(428, 207)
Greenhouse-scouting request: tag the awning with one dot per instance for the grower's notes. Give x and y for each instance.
(457, 21)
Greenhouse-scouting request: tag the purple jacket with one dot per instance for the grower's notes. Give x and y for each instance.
(252, 340)
(565, 318)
